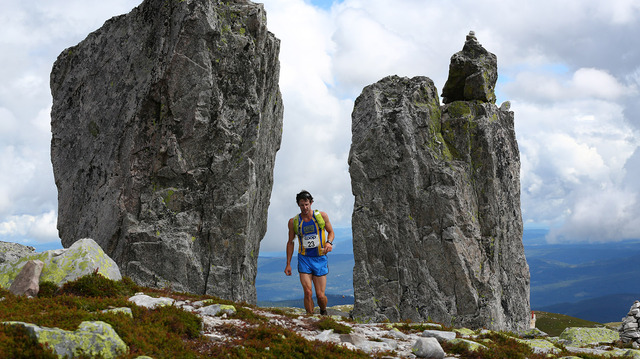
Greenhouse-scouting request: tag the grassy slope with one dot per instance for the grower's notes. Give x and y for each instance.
(553, 324)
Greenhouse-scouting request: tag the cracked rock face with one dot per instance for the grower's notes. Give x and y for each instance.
(437, 227)
(166, 122)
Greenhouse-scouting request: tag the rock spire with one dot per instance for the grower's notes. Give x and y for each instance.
(166, 122)
(437, 227)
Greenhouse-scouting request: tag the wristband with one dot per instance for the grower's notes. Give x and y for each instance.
(330, 242)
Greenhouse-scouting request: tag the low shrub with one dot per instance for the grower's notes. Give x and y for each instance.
(15, 342)
(96, 285)
(48, 289)
(328, 323)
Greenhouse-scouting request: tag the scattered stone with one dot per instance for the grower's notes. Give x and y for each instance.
(27, 282)
(84, 257)
(440, 335)
(352, 338)
(93, 339)
(143, 300)
(327, 336)
(427, 348)
(395, 333)
(217, 309)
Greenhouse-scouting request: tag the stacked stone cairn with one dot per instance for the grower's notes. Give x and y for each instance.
(629, 330)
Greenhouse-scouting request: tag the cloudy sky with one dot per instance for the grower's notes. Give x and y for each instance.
(570, 68)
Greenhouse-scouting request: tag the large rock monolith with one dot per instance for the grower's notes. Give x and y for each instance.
(166, 122)
(437, 227)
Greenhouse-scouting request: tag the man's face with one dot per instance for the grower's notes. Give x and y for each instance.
(305, 206)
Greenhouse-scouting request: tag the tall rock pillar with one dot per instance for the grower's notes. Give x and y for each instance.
(166, 122)
(437, 228)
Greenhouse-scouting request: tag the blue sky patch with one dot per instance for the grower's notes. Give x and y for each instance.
(323, 4)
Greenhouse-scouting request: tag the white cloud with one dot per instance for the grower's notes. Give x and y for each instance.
(32, 36)
(30, 228)
(569, 68)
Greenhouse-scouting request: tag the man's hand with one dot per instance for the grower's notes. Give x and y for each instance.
(287, 270)
(328, 248)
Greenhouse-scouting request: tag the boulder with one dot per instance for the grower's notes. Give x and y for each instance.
(27, 282)
(427, 348)
(91, 339)
(473, 73)
(64, 265)
(578, 337)
(437, 227)
(10, 252)
(166, 122)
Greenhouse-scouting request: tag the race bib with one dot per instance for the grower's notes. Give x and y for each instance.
(310, 241)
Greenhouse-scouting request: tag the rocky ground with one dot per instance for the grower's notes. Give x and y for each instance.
(396, 340)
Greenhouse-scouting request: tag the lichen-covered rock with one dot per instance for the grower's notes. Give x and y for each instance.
(469, 345)
(64, 265)
(540, 346)
(92, 339)
(10, 252)
(473, 73)
(437, 227)
(124, 311)
(576, 336)
(166, 122)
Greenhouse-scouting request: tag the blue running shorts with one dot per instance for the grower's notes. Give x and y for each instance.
(316, 266)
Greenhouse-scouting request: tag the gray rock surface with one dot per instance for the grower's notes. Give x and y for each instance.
(166, 122)
(630, 328)
(473, 73)
(27, 282)
(10, 252)
(427, 348)
(437, 227)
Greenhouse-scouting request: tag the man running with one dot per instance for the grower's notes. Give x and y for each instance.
(309, 226)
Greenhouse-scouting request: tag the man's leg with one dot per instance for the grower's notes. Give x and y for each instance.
(305, 279)
(320, 283)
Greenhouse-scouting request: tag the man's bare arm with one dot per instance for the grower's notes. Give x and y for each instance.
(290, 247)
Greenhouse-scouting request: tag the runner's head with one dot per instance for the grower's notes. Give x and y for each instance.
(304, 195)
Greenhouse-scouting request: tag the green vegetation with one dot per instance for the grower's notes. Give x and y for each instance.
(553, 324)
(498, 345)
(164, 332)
(327, 323)
(171, 332)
